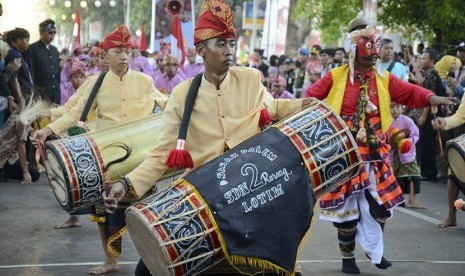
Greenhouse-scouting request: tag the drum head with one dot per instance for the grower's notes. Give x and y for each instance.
(147, 244)
(455, 156)
(57, 179)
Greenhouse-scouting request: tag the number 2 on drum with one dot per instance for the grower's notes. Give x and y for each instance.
(252, 169)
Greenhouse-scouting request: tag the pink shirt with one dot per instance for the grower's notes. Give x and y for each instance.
(165, 85)
(405, 122)
(192, 70)
(67, 92)
(285, 95)
(140, 64)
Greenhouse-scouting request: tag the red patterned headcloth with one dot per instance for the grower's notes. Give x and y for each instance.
(215, 20)
(118, 38)
(97, 50)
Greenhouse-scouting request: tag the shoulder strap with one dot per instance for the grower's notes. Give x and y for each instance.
(91, 98)
(190, 100)
(389, 69)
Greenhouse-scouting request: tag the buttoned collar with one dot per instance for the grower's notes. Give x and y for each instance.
(208, 85)
(114, 76)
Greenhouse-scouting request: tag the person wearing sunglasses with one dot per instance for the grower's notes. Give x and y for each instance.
(44, 62)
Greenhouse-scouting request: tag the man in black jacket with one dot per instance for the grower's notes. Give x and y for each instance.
(44, 62)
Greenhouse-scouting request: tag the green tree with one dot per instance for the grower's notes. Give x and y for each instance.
(442, 23)
(141, 11)
(332, 17)
(298, 27)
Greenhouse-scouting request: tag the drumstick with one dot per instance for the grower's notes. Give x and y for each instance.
(106, 183)
(42, 158)
(438, 134)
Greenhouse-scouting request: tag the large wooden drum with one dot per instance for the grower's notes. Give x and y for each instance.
(79, 166)
(455, 153)
(179, 231)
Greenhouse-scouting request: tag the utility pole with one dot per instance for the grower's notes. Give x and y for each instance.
(254, 27)
(152, 29)
(128, 12)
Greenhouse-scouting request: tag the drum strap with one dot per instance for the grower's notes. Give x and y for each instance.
(91, 98)
(190, 100)
(391, 66)
(180, 157)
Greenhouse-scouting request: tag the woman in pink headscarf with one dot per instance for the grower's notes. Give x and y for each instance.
(279, 89)
(77, 76)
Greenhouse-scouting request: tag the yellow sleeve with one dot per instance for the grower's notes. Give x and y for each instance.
(458, 118)
(146, 175)
(59, 111)
(71, 117)
(280, 108)
(159, 98)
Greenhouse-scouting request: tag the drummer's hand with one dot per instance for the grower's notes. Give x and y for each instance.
(436, 100)
(39, 136)
(117, 192)
(308, 101)
(439, 123)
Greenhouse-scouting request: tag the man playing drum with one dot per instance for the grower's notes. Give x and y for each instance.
(125, 95)
(231, 106)
(57, 112)
(361, 94)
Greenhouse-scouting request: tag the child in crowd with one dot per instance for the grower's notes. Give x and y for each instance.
(273, 73)
(314, 74)
(77, 76)
(279, 89)
(403, 135)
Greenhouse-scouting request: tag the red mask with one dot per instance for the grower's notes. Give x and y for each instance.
(368, 46)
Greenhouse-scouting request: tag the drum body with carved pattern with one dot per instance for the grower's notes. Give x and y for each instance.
(178, 231)
(455, 153)
(78, 166)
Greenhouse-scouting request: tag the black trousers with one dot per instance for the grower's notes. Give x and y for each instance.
(427, 149)
(141, 269)
(15, 172)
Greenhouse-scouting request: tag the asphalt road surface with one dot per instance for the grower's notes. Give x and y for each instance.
(31, 246)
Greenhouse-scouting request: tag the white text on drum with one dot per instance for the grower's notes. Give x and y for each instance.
(263, 197)
(245, 188)
(221, 171)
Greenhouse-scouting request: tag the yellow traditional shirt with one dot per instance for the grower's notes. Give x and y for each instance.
(221, 117)
(119, 100)
(59, 111)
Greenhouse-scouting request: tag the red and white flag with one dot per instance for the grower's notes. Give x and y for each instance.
(143, 39)
(177, 42)
(77, 28)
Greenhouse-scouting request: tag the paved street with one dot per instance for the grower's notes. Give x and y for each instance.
(31, 245)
